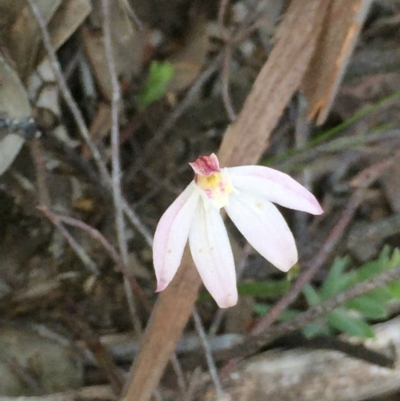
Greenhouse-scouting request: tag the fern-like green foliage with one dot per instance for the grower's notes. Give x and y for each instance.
(160, 73)
(353, 317)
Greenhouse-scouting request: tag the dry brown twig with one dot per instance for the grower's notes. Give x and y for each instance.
(207, 351)
(115, 157)
(78, 249)
(41, 174)
(133, 15)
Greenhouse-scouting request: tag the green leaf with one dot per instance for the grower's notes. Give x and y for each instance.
(394, 289)
(394, 259)
(371, 269)
(160, 73)
(336, 280)
(311, 295)
(315, 329)
(342, 321)
(369, 307)
(268, 289)
(263, 309)
(381, 295)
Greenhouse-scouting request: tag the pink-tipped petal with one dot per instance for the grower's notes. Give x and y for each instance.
(206, 165)
(212, 255)
(265, 229)
(172, 234)
(275, 186)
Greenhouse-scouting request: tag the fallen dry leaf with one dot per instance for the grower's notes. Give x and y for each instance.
(189, 60)
(127, 44)
(342, 25)
(66, 20)
(25, 38)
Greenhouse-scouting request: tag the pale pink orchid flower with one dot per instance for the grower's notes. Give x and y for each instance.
(247, 193)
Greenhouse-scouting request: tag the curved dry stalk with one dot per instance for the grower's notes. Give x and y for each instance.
(208, 353)
(78, 249)
(115, 158)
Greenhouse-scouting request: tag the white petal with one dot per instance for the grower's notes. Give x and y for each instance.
(275, 186)
(212, 255)
(172, 234)
(265, 229)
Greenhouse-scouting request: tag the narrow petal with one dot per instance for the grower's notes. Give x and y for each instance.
(212, 255)
(265, 229)
(172, 234)
(275, 186)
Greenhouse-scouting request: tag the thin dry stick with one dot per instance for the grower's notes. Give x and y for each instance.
(65, 92)
(97, 236)
(225, 82)
(41, 174)
(116, 166)
(179, 374)
(364, 179)
(80, 252)
(221, 17)
(132, 14)
(208, 353)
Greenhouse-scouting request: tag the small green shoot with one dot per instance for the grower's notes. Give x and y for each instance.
(160, 74)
